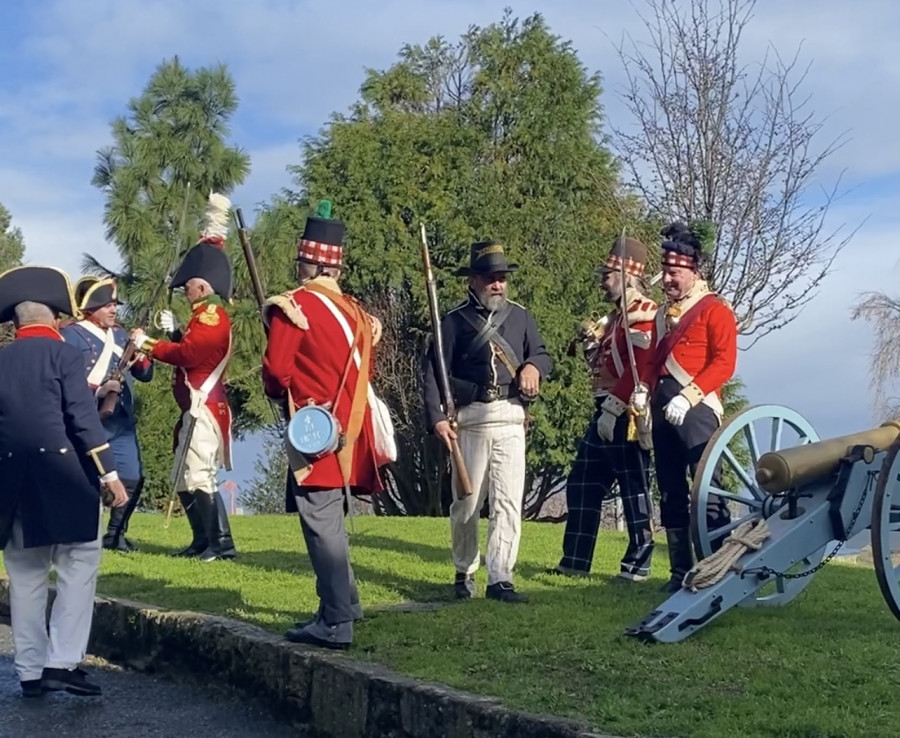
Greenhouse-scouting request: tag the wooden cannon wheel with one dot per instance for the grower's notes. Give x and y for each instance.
(726, 472)
(885, 528)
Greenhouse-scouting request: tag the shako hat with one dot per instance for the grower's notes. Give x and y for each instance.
(322, 241)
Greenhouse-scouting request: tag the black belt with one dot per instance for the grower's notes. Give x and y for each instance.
(492, 392)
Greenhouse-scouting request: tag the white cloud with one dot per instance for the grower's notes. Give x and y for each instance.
(296, 62)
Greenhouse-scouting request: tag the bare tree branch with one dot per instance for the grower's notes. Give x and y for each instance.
(733, 145)
(884, 358)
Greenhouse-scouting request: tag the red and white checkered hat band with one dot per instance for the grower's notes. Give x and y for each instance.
(632, 267)
(674, 259)
(319, 253)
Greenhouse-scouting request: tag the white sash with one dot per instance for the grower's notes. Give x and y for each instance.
(383, 426)
(101, 368)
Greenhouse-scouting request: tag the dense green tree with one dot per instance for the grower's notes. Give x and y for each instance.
(168, 153)
(12, 250)
(497, 135)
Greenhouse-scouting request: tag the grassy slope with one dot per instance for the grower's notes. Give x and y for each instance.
(825, 666)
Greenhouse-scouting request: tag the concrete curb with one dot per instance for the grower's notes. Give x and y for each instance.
(328, 694)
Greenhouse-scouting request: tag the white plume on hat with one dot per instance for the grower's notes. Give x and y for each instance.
(215, 218)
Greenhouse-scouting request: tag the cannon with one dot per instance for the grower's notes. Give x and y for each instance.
(800, 498)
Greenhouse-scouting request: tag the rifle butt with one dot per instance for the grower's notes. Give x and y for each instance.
(464, 484)
(108, 405)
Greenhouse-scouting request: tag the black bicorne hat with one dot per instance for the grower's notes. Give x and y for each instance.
(46, 285)
(486, 257)
(92, 293)
(206, 260)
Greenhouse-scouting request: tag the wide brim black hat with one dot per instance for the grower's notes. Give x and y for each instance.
(207, 261)
(486, 257)
(93, 292)
(46, 285)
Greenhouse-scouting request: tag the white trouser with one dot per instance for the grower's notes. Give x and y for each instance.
(204, 455)
(492, 442)
(76, 568)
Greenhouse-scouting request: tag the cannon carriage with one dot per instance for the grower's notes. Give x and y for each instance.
(794, 500)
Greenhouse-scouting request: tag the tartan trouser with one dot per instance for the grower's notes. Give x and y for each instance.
(598, 465)
(677, 451)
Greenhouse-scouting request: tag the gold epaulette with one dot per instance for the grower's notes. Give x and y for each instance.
(286, 304)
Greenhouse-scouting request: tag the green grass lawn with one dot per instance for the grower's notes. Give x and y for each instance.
(826, 665)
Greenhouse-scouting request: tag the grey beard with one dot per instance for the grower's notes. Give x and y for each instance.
(492, 303)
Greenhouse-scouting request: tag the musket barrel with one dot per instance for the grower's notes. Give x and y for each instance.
(780, 471)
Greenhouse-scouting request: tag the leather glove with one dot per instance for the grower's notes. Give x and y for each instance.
(167, 321)
(677, 409)
(111, 385)
(606, 424)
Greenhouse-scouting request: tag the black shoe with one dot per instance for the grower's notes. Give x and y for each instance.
(357, 617)
(504, 592)
(32, 688)
(73, 681)
(464, 586)
(210, 555)
(337, 637)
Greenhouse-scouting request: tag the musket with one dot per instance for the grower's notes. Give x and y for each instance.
(258, 291)
(108, 405)
(464, 488)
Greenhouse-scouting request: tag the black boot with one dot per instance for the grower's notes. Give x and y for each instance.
(218, 530)
(681, 557)
(115, 539)
(194, 515)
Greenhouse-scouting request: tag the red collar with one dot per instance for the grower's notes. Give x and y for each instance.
(38, 331)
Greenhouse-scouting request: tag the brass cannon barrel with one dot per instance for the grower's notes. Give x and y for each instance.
(779, 471)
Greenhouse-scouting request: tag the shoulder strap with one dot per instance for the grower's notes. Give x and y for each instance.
(488, 330)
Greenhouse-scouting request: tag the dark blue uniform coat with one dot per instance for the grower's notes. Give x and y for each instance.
(121, 426)
(52, 446)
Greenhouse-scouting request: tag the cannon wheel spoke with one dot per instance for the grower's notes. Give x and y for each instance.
(885, 529)
(726, 477)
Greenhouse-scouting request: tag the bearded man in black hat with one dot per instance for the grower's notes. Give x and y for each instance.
(496, 360)
(200, 355)
(54, 457)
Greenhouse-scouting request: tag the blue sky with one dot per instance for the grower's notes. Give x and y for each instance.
(70, 67)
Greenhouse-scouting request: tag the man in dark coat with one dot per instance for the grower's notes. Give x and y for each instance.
(497, 360)
(54, 456)
(102, 342)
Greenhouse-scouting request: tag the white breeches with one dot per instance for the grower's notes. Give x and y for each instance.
(204, 455)
(76, 568)
(492, 442)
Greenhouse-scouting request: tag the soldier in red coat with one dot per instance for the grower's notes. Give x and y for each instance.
(608, 453)
(200, 355)
(695, 352)
(308, 360)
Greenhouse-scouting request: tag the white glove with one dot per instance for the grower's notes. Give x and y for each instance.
(167, 321)
(677, 409)
(141, 340)
(606, 423)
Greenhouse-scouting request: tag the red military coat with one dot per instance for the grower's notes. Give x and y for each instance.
(704, 356)
(607, 355)
(306, 355)
(205, 342)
